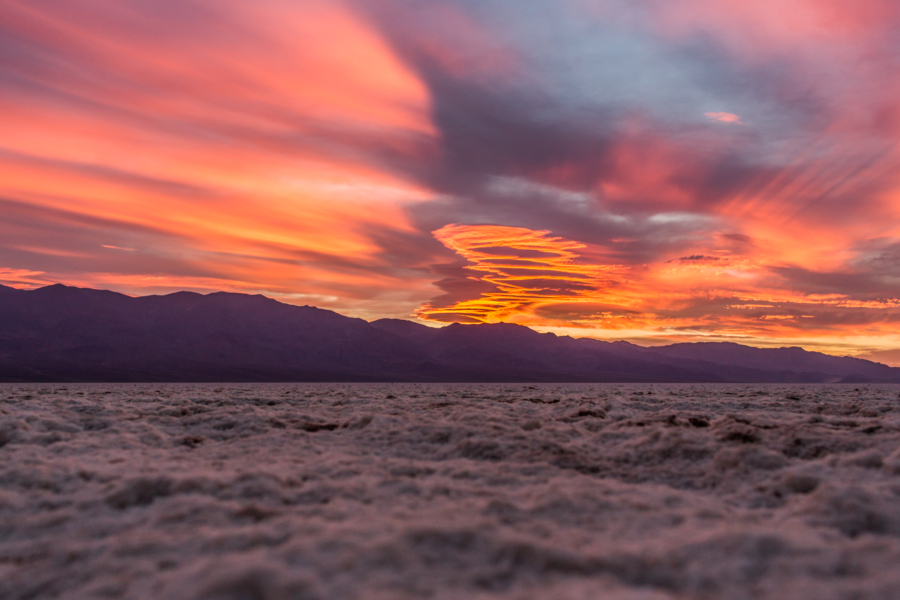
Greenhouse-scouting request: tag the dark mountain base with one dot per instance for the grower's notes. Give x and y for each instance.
(59, 334)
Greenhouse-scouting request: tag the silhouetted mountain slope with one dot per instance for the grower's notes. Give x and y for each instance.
(792, 359)
(61, 333)
(69, 333)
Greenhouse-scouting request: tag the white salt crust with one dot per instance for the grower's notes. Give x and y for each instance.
(390, 491)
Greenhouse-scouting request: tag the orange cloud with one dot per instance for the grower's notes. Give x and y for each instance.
(22, 278)
(528, 269)
(537, 279)
(245, 145)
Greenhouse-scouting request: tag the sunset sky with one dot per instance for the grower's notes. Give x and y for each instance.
(649, 170)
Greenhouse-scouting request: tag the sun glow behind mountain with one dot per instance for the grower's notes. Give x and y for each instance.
(684, 170)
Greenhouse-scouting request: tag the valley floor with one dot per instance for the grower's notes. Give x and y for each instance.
(393, 491)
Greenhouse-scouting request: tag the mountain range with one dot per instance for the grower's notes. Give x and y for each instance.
(60, 333)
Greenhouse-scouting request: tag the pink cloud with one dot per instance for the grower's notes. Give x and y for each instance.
(724, 117)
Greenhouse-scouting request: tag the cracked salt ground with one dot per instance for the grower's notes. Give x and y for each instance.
(395, 491)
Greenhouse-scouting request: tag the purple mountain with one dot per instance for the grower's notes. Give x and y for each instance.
(60, 333)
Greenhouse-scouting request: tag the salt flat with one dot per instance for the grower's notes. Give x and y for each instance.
(377, 491)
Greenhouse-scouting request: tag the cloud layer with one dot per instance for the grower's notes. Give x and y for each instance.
(687, 169)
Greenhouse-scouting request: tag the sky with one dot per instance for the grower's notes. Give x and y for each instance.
(649, 170)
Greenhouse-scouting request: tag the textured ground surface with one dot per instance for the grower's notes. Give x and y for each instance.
(427, 491)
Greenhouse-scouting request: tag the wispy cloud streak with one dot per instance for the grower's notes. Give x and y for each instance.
(528, 269)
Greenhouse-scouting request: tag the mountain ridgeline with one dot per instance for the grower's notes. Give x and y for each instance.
(59, 333)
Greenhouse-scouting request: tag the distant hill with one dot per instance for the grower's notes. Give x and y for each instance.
(60, 333)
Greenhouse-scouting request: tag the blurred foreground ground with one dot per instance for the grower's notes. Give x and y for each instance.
(393, 491)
